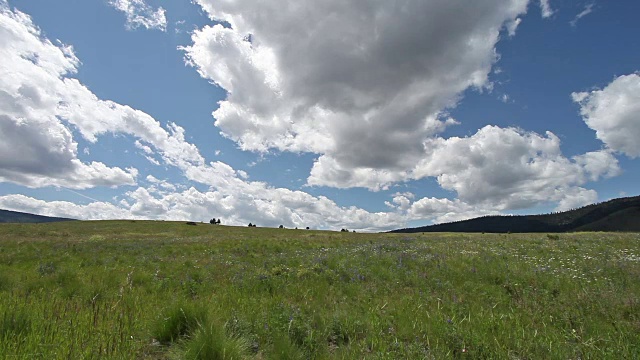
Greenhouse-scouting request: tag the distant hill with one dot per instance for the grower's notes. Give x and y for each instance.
(7, 216)
(614, 215)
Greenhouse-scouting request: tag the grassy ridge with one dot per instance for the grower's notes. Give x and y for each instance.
(127, 290)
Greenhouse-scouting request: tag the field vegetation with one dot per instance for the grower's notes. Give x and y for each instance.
(163, 290)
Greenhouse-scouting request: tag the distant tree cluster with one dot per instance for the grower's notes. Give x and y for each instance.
(344, 230)
(215, 221)
(280, 227)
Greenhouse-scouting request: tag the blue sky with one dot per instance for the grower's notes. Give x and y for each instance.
(369, 116)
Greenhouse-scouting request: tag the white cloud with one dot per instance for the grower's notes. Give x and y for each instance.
(402, 202)
(297, 87)
(162, 183)
(140, 14)
(301, 79)
(509, 168)
(445, 210)
(495, 168)
(546, 9)
(614, 113)
(37, 149)
(327, 171)
(512, 26)
(597, 164)
(94, 117)
(146, 205)
(179, 26)
(577, 198)
(260, 205)
(94, 210)
(146, 149)
(42, 107)
(588, 9)
(407, 194)
(152, 160)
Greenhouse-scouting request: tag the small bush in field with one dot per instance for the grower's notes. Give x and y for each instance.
(178, 322)
(210, 342)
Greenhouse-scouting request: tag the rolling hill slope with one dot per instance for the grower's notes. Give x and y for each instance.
(615, 215)
(7, 216)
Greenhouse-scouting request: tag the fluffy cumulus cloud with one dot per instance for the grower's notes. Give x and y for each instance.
(366, 86)
(239, 202)
(42, 107)
(260, 205)
(361, 83)
(229, 197)
(495, 168)
(140, 14)
(95, 210)
(510, 168)
(614, 113)
(576, 198)
(37, 149)
(597, 164)
(301, 80)
(445, 210)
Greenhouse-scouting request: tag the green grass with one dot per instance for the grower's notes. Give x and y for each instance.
(162, 290)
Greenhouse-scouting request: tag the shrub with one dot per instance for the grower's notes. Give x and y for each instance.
(210, 342)
(179, 321)
(69, 283)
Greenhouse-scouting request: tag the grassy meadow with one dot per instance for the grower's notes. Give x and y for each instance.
(165, 290)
